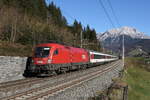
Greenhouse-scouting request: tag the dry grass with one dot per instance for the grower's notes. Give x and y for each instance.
(8, 49)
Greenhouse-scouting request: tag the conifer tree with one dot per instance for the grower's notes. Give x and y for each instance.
(56, 15)
(37, 22)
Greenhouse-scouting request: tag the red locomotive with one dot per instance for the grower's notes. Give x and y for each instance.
(50, 58)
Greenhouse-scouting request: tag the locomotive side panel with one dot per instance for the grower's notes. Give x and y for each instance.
(79, 55)
(61, 56)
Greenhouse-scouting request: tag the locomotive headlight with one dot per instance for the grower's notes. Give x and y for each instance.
(32, 61)
(49, 61)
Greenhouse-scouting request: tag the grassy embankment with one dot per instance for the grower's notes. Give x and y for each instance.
(137, 76)
(7, 49)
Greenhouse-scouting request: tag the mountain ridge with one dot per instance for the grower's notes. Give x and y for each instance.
(112, 40)
(132, 32)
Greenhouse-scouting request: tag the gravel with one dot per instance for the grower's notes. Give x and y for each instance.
(88, 88)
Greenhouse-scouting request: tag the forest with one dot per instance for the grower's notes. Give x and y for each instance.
(25, 23)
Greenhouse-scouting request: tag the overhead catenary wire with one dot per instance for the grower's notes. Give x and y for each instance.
(109, 18)
(117, 21)
(113, 12)
(123, 38)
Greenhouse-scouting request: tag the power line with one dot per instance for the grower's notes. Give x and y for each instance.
(123, 38)
(113, 12)
(101, 3)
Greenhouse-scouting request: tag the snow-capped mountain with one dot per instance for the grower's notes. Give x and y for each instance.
(129, 31)
(112, 39)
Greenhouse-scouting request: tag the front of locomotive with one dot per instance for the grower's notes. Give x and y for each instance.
(39, 63)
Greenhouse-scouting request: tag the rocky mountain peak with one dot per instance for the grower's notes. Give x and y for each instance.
(129, 31)
(112, 40)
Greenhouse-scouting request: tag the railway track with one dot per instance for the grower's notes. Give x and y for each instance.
(50, 89)
(25, 83)
(12, 84)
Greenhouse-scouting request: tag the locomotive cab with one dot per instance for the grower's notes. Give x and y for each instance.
(40, 62)
(42, 55)
(47, 58)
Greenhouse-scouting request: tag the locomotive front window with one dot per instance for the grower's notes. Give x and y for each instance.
(42, 51)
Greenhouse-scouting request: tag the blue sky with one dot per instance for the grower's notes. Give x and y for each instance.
(133, 13)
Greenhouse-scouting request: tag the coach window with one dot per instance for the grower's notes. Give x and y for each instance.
(56, 52)
(98, 56)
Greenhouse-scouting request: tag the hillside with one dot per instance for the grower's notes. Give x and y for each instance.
(30, 22)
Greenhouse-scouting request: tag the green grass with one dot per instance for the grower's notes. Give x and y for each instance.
(138, 79)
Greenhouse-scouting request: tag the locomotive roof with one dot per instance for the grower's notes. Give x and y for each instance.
(58, 45)
(62, 45)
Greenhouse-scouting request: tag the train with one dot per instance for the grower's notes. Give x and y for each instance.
(54, 58)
